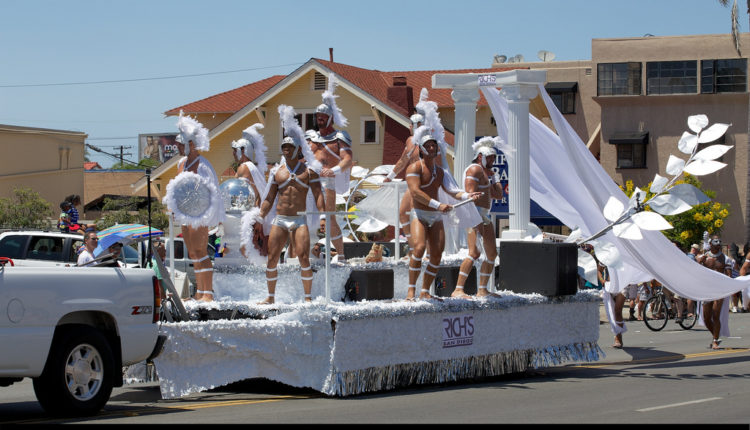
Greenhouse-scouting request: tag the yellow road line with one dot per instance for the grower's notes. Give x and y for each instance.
(156, 408)
(667, 358)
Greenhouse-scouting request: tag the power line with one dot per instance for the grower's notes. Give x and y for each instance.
(144, 79)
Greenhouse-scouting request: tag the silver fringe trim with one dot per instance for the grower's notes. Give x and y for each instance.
(556, 355)
(435, 372)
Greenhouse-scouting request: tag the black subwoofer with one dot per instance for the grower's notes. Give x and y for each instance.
(447, 278)
(361, 249)
(549, 269)
(369, 285)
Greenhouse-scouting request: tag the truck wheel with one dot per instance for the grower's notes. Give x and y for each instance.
(79, 373)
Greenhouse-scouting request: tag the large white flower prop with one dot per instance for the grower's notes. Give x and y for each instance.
(668, 199)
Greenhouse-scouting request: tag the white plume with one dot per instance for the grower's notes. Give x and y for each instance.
(258, 143)
(329, 98)
(190, 129)
(293, 130)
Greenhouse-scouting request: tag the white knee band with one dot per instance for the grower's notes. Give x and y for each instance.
(463, 274)
(416, 269)
(208, 269)
(201, 259)
(304, 268)
(415, 258)
(427, 272)
(304, 278)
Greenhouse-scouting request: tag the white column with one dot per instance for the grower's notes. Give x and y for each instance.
(518, 96)
(465, 128)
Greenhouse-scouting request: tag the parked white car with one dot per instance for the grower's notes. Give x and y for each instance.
(50, 248)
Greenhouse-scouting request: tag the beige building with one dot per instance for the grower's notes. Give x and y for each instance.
(377, 105)
(631, 102)
(49, 162)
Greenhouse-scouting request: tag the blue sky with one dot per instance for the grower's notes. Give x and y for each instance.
(74, 41)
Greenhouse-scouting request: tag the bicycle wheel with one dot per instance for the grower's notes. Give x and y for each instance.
(655, 313)
(688, 321)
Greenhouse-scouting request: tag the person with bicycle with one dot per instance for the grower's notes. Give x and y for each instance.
(714, 259)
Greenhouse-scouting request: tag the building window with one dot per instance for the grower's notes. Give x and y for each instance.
(615, 79)
(369, 131)
(672, 77)
(563, 94)
(631, 149)
(724, 76)
(305, 118)
(319, 82)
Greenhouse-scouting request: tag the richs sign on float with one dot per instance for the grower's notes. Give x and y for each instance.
(458, 331)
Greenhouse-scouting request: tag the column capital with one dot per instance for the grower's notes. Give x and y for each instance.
(519, 92)
(465, 95)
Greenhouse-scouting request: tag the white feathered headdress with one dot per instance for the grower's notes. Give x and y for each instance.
(329, 104)
(293, 130)
(252, 143)
(190, 129)
(429, 110)
(487, 146)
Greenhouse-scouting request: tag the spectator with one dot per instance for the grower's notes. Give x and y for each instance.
(631, 294)
(644, 293)
(63, 221)
(714, 259)
(115, 249)
(75, 200)
(90, 241)
(695, 249)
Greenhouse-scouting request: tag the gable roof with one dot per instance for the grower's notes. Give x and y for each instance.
(370, 81)
(229, 101)
(91, 165)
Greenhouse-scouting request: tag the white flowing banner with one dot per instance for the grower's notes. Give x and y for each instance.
(568, 182)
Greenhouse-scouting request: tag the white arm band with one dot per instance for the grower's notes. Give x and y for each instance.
(434, 204)
(391, 175)
(336, 170)
(495, 178)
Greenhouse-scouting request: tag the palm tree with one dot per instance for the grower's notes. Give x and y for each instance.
(735, 23)
(736, 39)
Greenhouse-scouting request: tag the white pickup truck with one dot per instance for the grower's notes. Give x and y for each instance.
(72, 329)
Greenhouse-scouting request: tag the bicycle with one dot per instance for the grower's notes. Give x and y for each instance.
(659, 310)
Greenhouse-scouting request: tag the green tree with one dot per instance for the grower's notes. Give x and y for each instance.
(126, 211)
(25, 209)
(143, 164)
(688, 227)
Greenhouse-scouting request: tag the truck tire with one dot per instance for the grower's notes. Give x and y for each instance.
(78, 377)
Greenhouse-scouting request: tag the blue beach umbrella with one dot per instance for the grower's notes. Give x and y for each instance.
(123, 233)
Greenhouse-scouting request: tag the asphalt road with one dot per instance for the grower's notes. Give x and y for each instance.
(658, 377)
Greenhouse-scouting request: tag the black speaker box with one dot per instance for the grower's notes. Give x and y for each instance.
(549, 269)
(361, 249)
(447, 278)
(369, 285)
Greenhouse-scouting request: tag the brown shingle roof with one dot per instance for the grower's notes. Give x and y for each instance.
(374, 82)
(229, 101)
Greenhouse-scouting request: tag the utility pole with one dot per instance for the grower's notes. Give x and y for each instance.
(122, 148)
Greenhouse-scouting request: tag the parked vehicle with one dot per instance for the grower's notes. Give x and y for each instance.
(72, 329)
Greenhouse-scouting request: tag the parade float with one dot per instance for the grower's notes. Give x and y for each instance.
(343, 343)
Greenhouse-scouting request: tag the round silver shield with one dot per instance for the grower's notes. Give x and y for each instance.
(237, 194)
(192, 195)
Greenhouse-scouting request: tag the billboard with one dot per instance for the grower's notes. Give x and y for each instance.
(157, 146)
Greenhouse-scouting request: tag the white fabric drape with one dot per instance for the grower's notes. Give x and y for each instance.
(568, 182)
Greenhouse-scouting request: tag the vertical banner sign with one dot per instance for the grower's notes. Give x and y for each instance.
(500, 206)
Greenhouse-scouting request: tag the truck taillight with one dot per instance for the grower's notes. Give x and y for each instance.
(157, 299)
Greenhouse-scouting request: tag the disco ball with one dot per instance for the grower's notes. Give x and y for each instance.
(192, 195)
(237, 194)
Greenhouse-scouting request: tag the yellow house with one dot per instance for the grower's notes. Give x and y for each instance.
(377, 104)
(48, 161)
